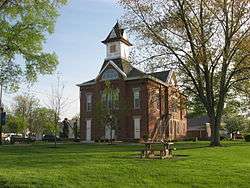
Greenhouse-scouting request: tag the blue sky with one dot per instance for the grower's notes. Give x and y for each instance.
(81, 27)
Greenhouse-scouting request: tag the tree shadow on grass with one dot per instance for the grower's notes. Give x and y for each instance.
(186, 148)
(3, 182)
(137, 156)
(56, 147)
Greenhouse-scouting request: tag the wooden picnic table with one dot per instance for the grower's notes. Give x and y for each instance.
(165, 152)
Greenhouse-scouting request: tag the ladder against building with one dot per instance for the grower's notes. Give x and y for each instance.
(161, 128)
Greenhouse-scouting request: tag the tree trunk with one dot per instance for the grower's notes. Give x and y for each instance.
(55, 129)
(55, 139)
(1, 126)
(215, 128)
(111, 135)
(216, 137)
(1, 111)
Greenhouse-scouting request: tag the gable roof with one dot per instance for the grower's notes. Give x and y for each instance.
(116, 34)
(129, 72)
(124, 65)
(110, 62)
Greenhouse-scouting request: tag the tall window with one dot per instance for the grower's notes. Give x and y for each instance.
(88, 102)
(157, 99)
(110, 74)
(136, 98)
(111, 99)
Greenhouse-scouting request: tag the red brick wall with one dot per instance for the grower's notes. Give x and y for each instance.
(148, 112)
(126, 127)
(142, 112)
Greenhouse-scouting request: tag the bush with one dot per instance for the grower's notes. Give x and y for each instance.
(247, 138)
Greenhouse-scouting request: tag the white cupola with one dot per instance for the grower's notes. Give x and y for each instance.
(117, 44)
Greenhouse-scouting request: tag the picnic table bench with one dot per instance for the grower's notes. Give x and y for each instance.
(166, 150)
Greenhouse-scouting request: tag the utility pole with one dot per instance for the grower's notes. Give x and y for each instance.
(1, 111)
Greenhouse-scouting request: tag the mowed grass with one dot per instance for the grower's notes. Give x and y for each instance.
(101, 165)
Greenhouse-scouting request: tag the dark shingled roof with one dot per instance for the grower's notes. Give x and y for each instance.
(135, 73)
(119, 31)
(93, 80)
(197, 122)
(163, 75)
(131, 71)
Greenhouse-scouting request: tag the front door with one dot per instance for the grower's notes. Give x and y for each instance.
(137, 129)
(88, 130)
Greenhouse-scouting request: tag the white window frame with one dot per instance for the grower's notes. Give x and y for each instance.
(88, 102)
(136, 91)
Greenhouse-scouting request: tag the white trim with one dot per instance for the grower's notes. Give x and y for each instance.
(134, 78)
(115, 66)
(88, 94)
(149, 77)
(170, 75)
(86, 84)
(137, 127)
(139, 92)
(88, 129)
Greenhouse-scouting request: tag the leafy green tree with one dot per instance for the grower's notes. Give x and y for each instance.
(43, 122)
(236, 123)
(16, 124)
(109, 109)
(206, 41)
(195, 107)
(25, 106)
(25, 26)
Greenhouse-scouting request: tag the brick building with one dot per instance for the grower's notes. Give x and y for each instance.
(199, 127)
(154, 102)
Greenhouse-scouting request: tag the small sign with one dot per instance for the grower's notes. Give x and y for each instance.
(3, 118)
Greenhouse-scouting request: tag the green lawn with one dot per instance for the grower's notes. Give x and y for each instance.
(79, 165)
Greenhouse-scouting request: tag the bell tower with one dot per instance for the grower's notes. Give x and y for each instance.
(117, 44)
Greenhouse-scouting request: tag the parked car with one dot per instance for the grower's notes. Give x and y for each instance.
(20, 139)
(32, 137)
(50, 138)
(9, 136)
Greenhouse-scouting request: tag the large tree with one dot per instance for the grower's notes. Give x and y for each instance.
(25, 106)
(16, 124)
(25, 25)
(207, 41)
(43, 122)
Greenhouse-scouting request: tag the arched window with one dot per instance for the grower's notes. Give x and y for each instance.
(110, 74)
